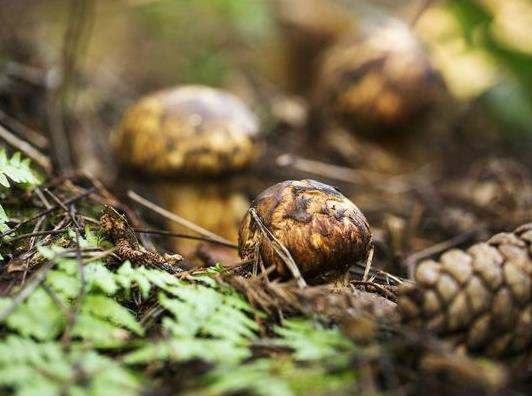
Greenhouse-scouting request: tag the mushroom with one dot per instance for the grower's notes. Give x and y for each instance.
(195, 140)
(378, 80)
(323, 231)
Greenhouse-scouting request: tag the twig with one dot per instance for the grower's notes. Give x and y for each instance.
(185, 236)
(175, 218)
(43, 199)
(32, 244)
(63, 206)
(26, 291)
(81, 269)
(369, 261)
(340, 173)
(392, 277)
(38, 233)
(34, 137)
(47, 211)
(384, 291)
(101, 255)
(392, 184)
(27, 149)
(280, 249)
(72, 214)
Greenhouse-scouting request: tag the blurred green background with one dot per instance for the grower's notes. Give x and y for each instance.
(107, 53)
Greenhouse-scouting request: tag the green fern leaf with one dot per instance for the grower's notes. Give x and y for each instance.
(18, 171)
(311, 341)
(38, 317)
(98, 277)
(106, 308)
(101, 332)
(44, 368)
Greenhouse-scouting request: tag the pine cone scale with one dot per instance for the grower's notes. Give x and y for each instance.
(479, 298)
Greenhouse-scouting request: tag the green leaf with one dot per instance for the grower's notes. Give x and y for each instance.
(106, 308)
(310, 341)
(44, 368)
(63, 284)
(38, 316)
(19, 171)
(99, 277)
(101, 332)
(188, 348)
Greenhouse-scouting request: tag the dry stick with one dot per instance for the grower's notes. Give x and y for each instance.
(393, 277)
(43, 199)
(71, 211)
(32, 244)
(184, 236)
(394, 184)
(38, 233)
(280, 250)
(175, 218)
(63, 206)
(31, 252)
(340, 173)
(26, 291)
(47, 211)
(368, 264)
(27, 149)
(35, 138)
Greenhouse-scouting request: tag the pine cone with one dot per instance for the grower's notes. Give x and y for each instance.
(480, 299)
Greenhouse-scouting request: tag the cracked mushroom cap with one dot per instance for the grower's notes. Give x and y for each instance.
(377, 80)
(324, 231)
(188, 131)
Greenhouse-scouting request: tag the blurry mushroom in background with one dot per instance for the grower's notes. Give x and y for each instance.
(194, 140)
(377, 81)
(324, 232)
(308, 27)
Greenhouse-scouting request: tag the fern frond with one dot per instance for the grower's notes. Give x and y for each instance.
(44, 368)
(106, 308)
(17, 170)
(37, 317)
(309, 340)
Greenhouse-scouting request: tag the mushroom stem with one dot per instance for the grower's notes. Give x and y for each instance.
(175, 218)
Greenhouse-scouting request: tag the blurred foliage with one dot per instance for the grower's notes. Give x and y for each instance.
(208, 36)
(324, 365)
(511, 98)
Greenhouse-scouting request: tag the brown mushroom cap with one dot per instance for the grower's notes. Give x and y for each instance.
(377, 80)
(323, 230)
(188, 131)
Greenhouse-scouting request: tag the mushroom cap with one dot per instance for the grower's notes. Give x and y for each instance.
(323, 230)
(188, 131)
(379, 79)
